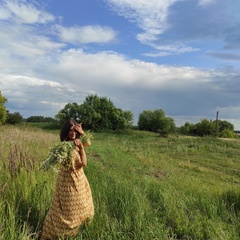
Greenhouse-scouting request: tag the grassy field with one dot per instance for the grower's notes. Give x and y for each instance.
(144, 187)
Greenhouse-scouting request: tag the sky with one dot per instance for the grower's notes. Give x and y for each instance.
(181, 56)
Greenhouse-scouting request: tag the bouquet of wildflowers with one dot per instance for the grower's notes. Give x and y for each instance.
(87, 136)
(61, 153)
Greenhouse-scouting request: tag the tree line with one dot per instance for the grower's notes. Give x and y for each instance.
(99, 113)
(96, 113)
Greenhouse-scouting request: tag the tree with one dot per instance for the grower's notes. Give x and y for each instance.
(100, 113)
(71, 110)
(96, 113)
(14, 118)
(35, 119)
(156, 121)
(168, 126)
(3, 110)
(222, 124)
(40, 119)
(186, 129)
(204, 128)
(128, 115)
(90, 116)
(144, 120)
(208, 128)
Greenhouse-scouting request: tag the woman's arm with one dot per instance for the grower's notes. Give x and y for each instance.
(82, 152)
(83, 156)
(87, 143)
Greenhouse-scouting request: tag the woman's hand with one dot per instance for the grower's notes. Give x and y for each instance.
(78, 143)
(78, 128)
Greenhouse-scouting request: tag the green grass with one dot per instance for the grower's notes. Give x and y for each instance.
(144, 186)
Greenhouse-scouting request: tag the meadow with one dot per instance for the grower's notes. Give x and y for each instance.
(144, 187)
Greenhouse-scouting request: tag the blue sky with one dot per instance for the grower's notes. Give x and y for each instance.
(181, 56)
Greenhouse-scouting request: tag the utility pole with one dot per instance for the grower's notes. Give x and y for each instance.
(217, 124)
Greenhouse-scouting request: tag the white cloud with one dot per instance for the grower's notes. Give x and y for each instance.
(33, 81)
(23, 48)
(204, 3)
(55, 105)
(86, 34)
(153, 18)
(30, 95)
(181, 23)
(4, 13)
(167, 50)
(24, 12)
(18, 84)
(177, 89)
(109, 68)
(150, 16)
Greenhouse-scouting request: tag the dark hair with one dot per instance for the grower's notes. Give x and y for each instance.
(66, 128)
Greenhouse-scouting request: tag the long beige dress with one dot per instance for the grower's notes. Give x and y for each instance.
(72, 202)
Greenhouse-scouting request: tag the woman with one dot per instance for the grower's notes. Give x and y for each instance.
(72, 202)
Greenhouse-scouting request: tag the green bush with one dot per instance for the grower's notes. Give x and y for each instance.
(226, 133)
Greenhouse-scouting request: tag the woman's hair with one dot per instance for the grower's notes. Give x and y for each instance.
(66, 128)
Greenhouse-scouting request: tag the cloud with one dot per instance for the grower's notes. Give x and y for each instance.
(25, 41)
(41, 71)
(230, 112)
(86, 34)
(150, 16)
(34, 95)
(23, 44)
(22, 36)
(167, 50)
(181, 24)
(130, 83)
(78, 74)
(111, 68)
(209, 23)
(204, 3)
(153, 18)
(24, 12)
(224, 55)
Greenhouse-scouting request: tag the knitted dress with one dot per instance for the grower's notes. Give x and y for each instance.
(72, 202)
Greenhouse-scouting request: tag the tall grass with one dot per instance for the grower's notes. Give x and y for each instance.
(22, 185)
(144, 187)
